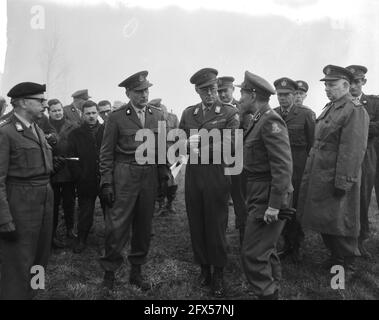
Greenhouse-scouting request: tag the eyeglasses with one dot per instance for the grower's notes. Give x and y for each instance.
(208, 89)
(41, 100)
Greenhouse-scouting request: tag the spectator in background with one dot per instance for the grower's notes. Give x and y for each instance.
(105, 109)
(84, 143)
(117, 104)
(73, 111)
(62, 182)
(3, 106)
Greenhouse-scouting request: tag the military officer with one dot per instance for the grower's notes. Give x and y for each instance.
(26, 197)
(167, 187)
(127, 186)
(301, 93)
(371, 104)
(329, 196)
(73, 112)
(268, 168)
(206, 185)
(300, 123)
(225, 93)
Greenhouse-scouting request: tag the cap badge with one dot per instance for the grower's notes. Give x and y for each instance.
(300, 84)
(218, 109)
(284, 83)
(352, 70)
(19, 127)
(328, 71)
(141, 78)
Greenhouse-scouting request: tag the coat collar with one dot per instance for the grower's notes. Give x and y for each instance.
(256, 117)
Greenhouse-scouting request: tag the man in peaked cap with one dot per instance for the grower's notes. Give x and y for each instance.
(206, 186)
(371, 104)
(73, 112)
(167, 187)
(300, 123)
(225, 93)
(329, 196)
(268, 169)
(300, 93)
(26, 197)
(128, 185)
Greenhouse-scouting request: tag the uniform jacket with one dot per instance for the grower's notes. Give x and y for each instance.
(220, 116)
(267, 155)
(61, 149)
(73, 114)
(119, 137)
(371, 104)
(83, 145)
(22, 156)
(335, 162)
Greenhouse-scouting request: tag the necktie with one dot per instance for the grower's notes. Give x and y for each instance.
(206, 109)
(284, 114)
(141, 116)
(34, 130)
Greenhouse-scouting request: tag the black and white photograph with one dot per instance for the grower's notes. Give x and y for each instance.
(189, 155)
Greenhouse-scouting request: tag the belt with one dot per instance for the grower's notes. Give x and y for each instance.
(130, 159)
(258, 176)
(33, 181)
(321, 145)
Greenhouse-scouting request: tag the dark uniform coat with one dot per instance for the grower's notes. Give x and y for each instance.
(335, 162)
(268, 168)
(26, 198)
(73, 114)
(135, 186)
(207, 187)
(371, 104)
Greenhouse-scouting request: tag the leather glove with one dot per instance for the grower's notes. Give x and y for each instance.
(271, 215)
(8, 232)
(339, 192)
(107, 195)
(287, 214)
(51, 139)
(58, 163)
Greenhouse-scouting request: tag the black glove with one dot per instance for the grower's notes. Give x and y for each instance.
(8, 232)
(287, 214)
(51, 139)
(107, 195)
(58, 163)
(338, 193)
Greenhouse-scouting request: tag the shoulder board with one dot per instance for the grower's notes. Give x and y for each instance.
(191, 107)
(154, 107)
(4, 121)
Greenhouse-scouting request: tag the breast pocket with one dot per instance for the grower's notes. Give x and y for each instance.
(296, 135)
(254, 153)
(30, 156)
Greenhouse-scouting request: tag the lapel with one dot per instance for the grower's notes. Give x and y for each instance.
(364, 100)
(256, 117)
(325, 111)
(132, 115)
(292, 114)
(149, 119)
(211, 114)
(198, 114)
(26, 132)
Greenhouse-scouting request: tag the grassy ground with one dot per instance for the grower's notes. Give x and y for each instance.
(172, 273)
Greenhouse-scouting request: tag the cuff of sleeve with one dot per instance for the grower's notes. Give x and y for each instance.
(275, 200)
(5, 216)
(106, 180)
(344, 183)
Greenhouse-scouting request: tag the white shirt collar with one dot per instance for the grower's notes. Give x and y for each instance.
(23, 120)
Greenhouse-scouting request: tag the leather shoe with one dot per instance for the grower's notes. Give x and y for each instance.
(218, 286)
(205, 278)
(108, 281)
(136, 279)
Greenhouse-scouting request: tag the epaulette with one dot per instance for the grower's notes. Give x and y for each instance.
(154, 107)
(4, 121)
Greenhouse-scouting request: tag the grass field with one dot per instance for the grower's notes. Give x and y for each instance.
(172, 274)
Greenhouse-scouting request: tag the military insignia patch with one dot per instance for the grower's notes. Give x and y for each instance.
(237, 116)
(275, 128)
(19, 127)
(151, 112)
(128, 112)
(257, 117)
(364, 102)
(218, 109)
(196, 111)
(73, 109)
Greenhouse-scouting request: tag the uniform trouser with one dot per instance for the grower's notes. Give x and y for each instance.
(85, 216)
(341, 247)
(167, 189)
(64, 192)
(367, 184)
(238, 198)
(135, 191)
(260, 261)
(32, 211)
(206, 197)
(377, 176)
(293, 232)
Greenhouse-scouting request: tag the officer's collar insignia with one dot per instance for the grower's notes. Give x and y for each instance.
(218, 109)
(284, 83)
(257, 117)
(151, 112)
(19, 127)
(196, 112)
(128, 112)
(73, 109)
(364, 102)
(275, 128)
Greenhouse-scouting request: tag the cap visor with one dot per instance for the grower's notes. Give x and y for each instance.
(143, 86)
(330, 79)
(284, 91)
(207, 84)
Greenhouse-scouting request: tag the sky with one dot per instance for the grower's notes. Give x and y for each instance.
(361, 17)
